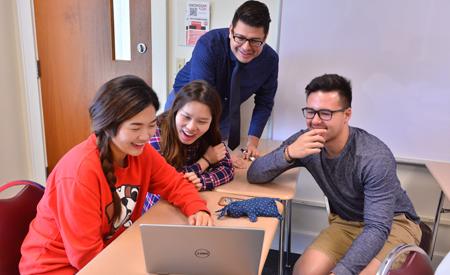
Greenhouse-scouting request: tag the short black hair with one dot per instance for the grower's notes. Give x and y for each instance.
(329, 83)
(253, 13)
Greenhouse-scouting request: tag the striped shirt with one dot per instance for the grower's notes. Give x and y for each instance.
(217, 174)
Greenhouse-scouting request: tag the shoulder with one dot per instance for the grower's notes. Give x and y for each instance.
(372, 153)
(268, 56)
(216, 38)
(80, 164)
(368, 144)
(270, 53)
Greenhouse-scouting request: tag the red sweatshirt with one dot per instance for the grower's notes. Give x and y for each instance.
(73, 218)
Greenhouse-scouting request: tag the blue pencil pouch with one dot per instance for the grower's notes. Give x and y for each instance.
(253, 208)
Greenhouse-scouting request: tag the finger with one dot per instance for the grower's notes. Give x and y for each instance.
(312, 151)
(251, 152)
(191, 220)
(315, 145)
(199, 219)
(210, 221)
(256, 154)
(317, 131)
(205, 219)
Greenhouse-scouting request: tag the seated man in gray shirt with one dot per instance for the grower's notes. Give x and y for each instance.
(370, 212)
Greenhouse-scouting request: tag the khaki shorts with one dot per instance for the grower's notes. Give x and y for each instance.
(337, 238)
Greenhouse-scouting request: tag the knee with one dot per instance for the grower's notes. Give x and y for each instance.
(311, 266)
(302, 267)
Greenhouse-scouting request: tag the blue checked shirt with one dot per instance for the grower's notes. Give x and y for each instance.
(217, 174)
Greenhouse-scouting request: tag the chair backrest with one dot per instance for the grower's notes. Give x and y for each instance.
(427, 235)
(417, 262)
(16, 214)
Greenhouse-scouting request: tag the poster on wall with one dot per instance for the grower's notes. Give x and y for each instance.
(197, 21)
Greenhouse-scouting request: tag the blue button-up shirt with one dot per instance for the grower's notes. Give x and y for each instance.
(213, 61)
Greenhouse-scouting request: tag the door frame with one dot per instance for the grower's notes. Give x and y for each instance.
(32, 95)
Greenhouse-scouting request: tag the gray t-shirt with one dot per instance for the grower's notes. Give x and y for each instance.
(361, 184)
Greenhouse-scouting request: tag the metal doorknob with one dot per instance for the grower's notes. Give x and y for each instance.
(141, 47)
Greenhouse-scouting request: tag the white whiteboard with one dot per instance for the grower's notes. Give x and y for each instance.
(395, 52)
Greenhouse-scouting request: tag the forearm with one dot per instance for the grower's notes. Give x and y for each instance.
(364, 248)
(268, 167)
(258, 121)
(218, 174)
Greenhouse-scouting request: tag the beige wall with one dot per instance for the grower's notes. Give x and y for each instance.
(14, 162)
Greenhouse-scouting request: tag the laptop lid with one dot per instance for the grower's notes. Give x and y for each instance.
(201, 250)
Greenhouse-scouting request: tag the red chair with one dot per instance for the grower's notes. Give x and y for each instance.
(417, 262)
(16, 214)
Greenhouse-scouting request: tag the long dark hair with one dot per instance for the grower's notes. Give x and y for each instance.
(115, 102)
(171, 147)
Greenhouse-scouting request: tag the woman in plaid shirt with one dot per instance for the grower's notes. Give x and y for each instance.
(188, 137)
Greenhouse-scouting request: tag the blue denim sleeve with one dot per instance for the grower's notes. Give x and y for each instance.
(264, 101)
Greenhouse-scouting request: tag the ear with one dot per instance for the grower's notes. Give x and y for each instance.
(230, 31)
(347, 114)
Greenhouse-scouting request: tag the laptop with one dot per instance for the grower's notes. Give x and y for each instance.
(201, 250)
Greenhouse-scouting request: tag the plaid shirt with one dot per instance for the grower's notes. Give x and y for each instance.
(217, 174)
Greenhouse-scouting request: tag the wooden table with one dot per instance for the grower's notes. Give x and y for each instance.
(282, 187)
(125, 255)
(441, 173)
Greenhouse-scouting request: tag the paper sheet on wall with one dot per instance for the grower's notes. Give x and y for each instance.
(197, 21)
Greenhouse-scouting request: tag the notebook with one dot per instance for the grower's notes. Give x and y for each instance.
(201, 250)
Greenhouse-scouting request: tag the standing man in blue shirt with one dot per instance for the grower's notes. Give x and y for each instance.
(219, 51)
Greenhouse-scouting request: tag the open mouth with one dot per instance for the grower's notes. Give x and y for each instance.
(186, 136)
(186, 133)
(138, 145)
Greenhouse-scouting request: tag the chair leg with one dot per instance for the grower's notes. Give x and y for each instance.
(289, 231)
(281, 241)
(436, 224)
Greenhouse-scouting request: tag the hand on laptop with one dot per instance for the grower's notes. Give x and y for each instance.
(201, 218)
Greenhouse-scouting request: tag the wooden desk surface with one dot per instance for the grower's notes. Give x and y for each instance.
(125, 255)
(441, 172)
(282, 187)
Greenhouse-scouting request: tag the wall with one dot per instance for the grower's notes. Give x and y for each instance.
(394, 52)
(221, 14)
(384, 48)
(14, 163)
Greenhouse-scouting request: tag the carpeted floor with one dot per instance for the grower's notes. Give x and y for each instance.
(271, 265)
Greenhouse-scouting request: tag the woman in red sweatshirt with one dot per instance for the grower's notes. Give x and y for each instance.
(98, 188)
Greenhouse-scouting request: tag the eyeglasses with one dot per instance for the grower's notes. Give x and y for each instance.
(239, 39)
(324, 114)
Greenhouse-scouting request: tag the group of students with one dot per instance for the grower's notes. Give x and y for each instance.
(133, 158)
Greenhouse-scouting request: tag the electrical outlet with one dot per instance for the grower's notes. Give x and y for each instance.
(180, 63)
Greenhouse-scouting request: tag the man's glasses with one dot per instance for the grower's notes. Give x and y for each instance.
(324, 114)
(239, 39)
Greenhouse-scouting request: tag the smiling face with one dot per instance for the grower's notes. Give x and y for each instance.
(245, 52)
(192, 121)
(133, 134)
(337, 126)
